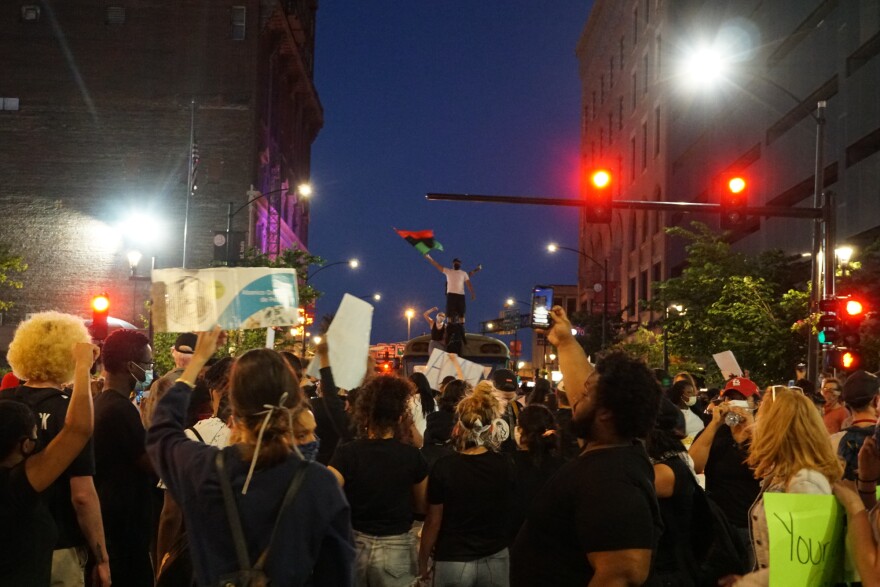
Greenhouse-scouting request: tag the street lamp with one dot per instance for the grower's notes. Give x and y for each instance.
(844, 255)
(304, 189)
(409, 316)
(376, 297)
(553, 247)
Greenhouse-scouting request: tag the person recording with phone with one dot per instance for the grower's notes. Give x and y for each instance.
(721, 449)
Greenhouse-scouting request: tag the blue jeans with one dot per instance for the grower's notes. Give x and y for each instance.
(491, 571)
(385, 561)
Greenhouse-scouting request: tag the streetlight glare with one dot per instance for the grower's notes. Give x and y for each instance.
(354, 263)
(844, 254)
(304, 189)
(134, 258)
(704, 67)
(317, 340)
(510, 301)
(141, 227)
(409, 313)
(552, 247)
(377, 297)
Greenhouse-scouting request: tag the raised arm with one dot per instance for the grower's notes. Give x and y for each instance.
(44, 467)
(427, 316)
(436, 265)
(573, 362)
(702, 444)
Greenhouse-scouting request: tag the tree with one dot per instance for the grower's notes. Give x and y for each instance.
(11, 268)
(591, 325)
(732, 301)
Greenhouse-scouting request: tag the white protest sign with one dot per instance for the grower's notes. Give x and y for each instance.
(441, 364)
(727, 364)
(192, 300)
(348, 342)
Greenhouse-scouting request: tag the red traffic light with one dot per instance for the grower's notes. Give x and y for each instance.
(854, 308)
(600, 179)
(598, 193)
(101, 303)
(736, 185)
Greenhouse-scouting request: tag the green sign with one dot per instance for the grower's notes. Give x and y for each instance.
(806, 539)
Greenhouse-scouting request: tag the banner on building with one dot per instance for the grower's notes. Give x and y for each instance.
(186, 300)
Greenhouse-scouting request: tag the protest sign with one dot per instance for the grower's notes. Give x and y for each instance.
(186, 300)
(348, 342)
(806, 539)
(727, 364)
(441, 364)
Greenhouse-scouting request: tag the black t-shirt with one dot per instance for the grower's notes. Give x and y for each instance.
(568, 441)
(476, 492)
(677, 514)
(530, 478)
(27, 531)
(729, 480)
(50, 407)
(379, 476)
(601, 501)
(437, 333)
(123, 486)
(332, 422)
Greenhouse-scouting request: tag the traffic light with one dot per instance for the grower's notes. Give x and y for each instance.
(598, 196)
(829, 322)
(845, 359)
(100, 311)
(733, 197)
(852, 315)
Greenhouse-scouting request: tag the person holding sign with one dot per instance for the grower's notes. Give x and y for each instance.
(791, 454)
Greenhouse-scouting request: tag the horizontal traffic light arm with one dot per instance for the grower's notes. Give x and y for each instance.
(766, 211)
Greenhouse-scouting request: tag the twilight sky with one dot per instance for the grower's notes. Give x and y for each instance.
(461, 96)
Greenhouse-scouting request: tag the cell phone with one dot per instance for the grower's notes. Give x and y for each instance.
(542, 301)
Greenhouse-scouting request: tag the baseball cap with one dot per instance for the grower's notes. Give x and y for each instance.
(186, 343)
(504, 380)
(860, 388)
(10, 381)
(742, 385)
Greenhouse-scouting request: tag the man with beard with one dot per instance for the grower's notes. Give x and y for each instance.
(596, 521)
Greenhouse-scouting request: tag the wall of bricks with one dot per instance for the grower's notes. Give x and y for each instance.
(103, 130)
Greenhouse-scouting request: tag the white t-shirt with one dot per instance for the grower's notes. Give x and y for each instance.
(692, 423)
(455, 279)
(213, 432)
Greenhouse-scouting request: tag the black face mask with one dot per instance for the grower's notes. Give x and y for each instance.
(456, 266)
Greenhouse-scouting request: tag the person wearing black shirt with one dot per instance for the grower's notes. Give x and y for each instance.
(40, 355)
(28, 533)
(469, 496)
(384, 481)
(720, 451)
(124, 475)
(597, 520)
(333, 423)
(438, 330)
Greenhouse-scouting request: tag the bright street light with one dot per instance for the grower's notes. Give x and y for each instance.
(409, 316)
(354, 263)
(844, 254)
(552, 247)
(304, 189)
(317, 340)
(377, 297)
(703, 67)
(141, 228)
(134, 258)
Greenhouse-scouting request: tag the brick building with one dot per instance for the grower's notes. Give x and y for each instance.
(95, 126)
(664, 142)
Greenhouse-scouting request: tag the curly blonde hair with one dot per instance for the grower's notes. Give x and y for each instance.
(789, 436)
(475, 412)
(42, 348)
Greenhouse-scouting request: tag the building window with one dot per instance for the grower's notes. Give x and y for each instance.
(658, 55)
(647, 73)
(658, 272)
(601, 89)
(643, 285)
(632, 158)
(115, 15)
(620, 113)
(239, 20)
(631, 297)
(644, 146)
(622, 59)
(30, 13)
(635, 88)
(611, 73)
(656, 131)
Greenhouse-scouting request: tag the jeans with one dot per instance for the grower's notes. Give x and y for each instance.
(491, 571)
(385, 561)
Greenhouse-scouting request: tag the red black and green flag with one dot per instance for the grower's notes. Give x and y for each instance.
(422, 240)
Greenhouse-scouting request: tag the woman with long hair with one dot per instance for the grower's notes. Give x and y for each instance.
(421, 403)
(790, 453)
(260, 464)
(439, 424)
(384, 480)
(536, 460)
(469, 494)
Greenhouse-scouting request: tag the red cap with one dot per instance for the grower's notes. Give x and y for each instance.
(742, 385)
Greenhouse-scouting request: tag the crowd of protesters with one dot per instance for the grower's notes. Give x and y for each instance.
(232, 471)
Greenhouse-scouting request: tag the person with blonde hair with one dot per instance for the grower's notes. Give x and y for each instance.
(469, 498)
(312, 538)
(790, 453)
(41, 354)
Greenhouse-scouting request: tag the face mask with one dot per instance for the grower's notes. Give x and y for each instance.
(691, 401)
(456, 266)
(309, 450)
(142, 384)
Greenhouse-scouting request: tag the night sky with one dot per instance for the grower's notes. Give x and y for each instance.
(458, 96)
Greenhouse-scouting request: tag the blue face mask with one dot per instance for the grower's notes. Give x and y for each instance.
(141, 386)
(309, 450)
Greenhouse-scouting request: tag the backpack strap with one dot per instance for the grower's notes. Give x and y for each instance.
(196, 432)
(241, 550)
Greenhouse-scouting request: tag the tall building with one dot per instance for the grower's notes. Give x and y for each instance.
(100, 105)
(667, 136)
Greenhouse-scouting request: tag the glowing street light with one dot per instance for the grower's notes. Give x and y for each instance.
(304, 189)
(409, 316)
